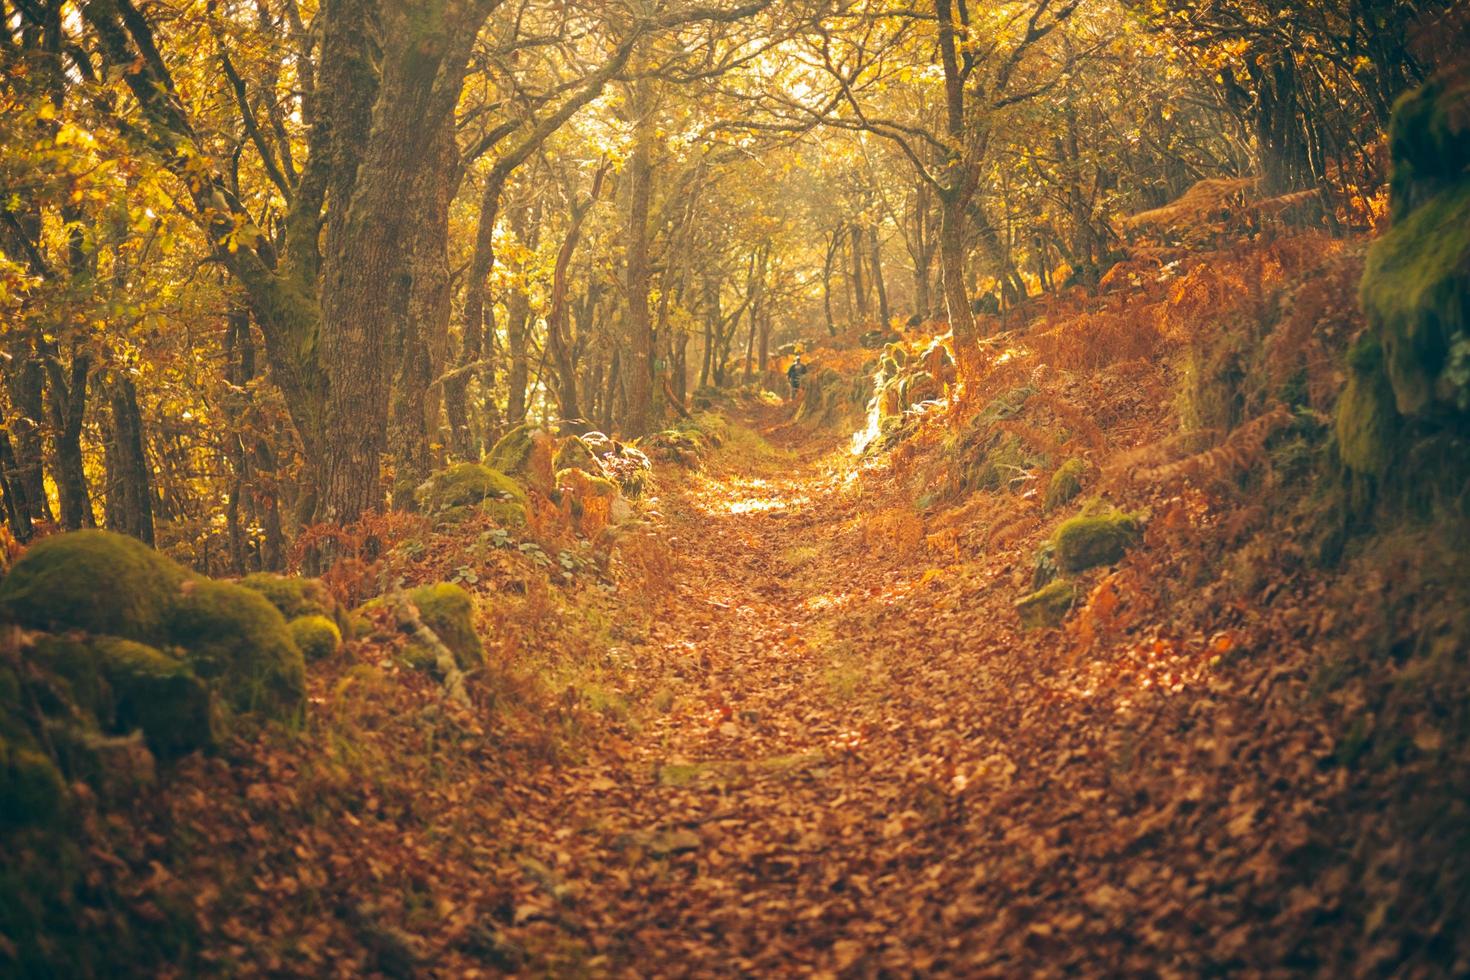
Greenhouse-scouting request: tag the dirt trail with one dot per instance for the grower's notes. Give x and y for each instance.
(866, 771)
(722, 838)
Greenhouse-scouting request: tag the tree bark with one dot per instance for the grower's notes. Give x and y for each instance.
(478, 319)
(855, 245)
(68, 406)
(640, 363)
(128, 477)
(424, 330)
(875, 263)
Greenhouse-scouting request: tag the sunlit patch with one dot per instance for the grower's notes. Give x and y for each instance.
(831, 600)
(757, 505)
(846, 741)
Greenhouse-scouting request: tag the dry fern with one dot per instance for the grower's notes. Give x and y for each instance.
(1242, 451)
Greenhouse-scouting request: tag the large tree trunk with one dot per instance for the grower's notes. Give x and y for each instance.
(855, 245)
(366, 279)
(639, 366)
(424, 331)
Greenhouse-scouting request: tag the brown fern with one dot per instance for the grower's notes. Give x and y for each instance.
(1242, 451)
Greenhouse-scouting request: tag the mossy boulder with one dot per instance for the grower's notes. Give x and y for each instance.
(526, 454)
(1416, 294)
(317, 637)
(452, 493)
(157, 694)
(449, 611)
(94, 581)
(1367, 423)
(1066, 483)
(1429, 143)
(297, 597)
(1048, 606)
(446, 609)
(1089, 540)
(630, 469)
(238, 642)
(575, 454)
(32, 790)
(996, 467)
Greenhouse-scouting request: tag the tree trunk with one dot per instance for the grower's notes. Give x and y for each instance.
(27, 399)
(952, 269)
(366, 279)
(479, 318)
(525, 222)
(130, 488)
(832, 245)
(68, 405)
(875, 263)
(424, 330)
(640, 364)
(12, 493)
(859, 286)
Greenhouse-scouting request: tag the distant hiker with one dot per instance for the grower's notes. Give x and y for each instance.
(793, 374)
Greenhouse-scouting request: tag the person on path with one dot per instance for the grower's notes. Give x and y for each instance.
(793, 375)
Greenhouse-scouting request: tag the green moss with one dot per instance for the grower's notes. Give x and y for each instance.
(1416, 294)
(1048, 606)
(1066, 483)
(449, 611)
(1367, 423)
(32, 791)
(316, 636)
(156, 693)
(575, 454)
(1428, 142)
(94, 581)
(240, 644)
(1087, 541)
(525, 455)
(995, 469)
(465, 485)
(296, 597)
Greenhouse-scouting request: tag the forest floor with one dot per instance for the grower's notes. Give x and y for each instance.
(807, 743)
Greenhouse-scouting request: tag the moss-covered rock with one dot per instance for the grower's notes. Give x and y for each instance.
(996, 467)
(456, 490)
(316, 636)
(575, 454)
(1367, 423)
(1089, 540)
(157, 694)
(449, 611)
(1416, 293)
(238, 642)
(32, 790)
(1048, 606)
(526, 454)
(297, 597)
(1429, 142)
(1066, 483)
(95, 581)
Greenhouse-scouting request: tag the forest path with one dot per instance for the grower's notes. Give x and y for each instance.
(747, 829)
